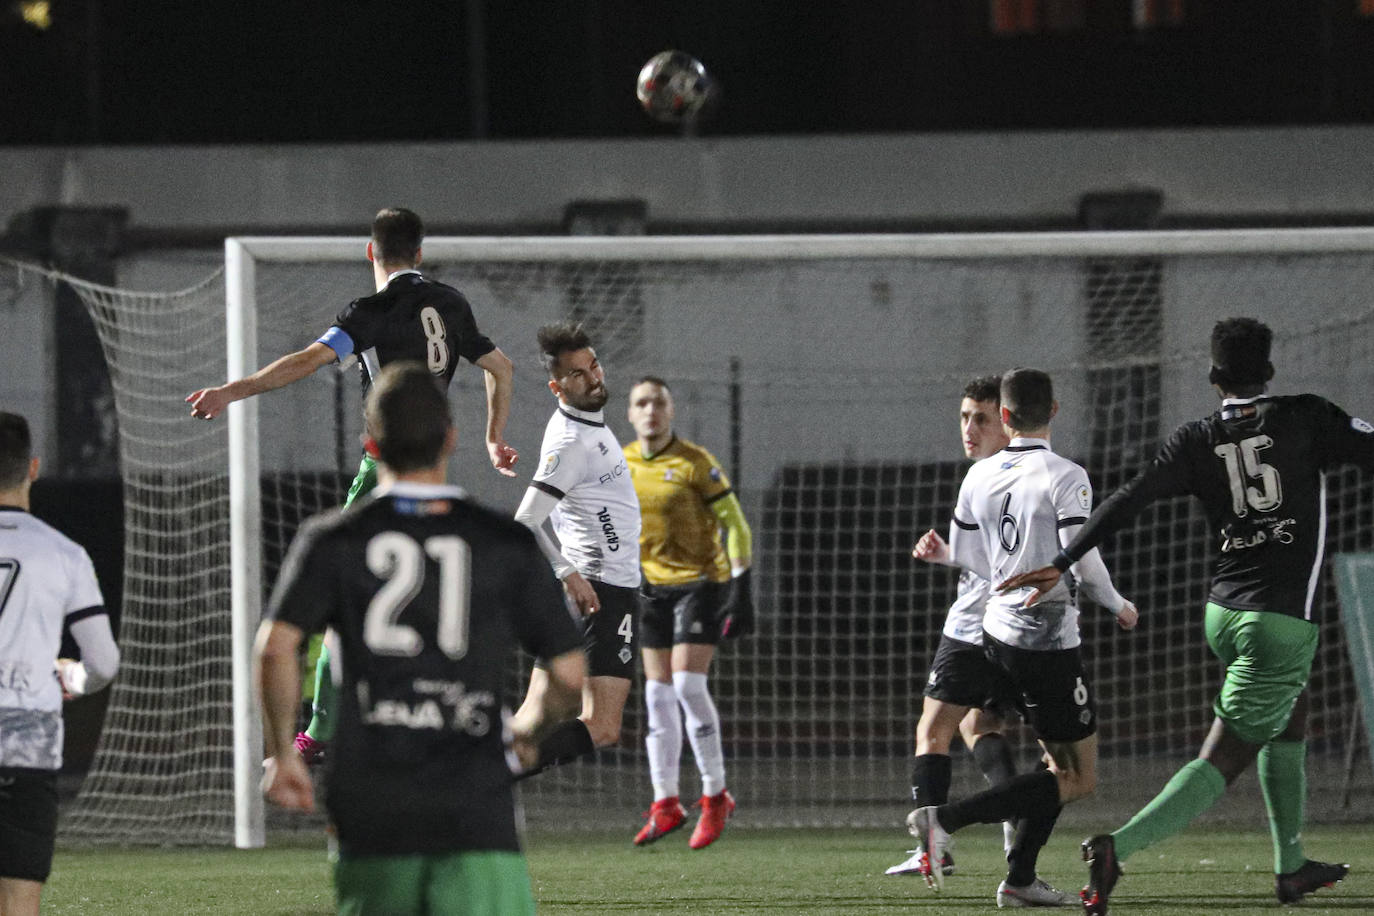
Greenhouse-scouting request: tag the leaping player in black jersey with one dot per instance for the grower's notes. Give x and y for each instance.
(1258, 465)
(409, 318)
(583, 486)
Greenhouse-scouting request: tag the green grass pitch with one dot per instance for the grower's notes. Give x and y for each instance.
(830, 871)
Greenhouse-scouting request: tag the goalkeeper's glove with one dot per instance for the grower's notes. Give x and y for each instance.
(737, 615)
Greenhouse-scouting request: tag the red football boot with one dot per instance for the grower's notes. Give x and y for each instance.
(663, 817)
(715, 811)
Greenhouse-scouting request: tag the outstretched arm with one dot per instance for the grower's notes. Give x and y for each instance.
(1090, 573)
(208, 403)
(500, 374)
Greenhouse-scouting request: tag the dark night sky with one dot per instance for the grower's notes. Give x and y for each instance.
(203, 71)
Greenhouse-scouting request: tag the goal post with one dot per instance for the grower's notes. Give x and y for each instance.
(839, 359)
(245, 541)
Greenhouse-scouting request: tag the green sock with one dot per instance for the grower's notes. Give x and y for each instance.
(1283, 776)
(321, 726)
(1193, 790)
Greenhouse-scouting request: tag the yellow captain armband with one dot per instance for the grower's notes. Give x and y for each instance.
(739, 540)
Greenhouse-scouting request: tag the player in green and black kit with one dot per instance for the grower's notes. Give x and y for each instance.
(409, 318)
(429, 593)
(1258, 465)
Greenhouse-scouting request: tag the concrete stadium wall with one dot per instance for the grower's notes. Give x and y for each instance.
(182, 200)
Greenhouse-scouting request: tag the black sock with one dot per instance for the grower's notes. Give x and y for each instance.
(564, 744)
(930, 776)
(1032, 833)
(993, 755)
(1027, 795)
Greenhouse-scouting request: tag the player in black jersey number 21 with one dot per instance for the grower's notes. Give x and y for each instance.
(1258, 466)
(429, 593)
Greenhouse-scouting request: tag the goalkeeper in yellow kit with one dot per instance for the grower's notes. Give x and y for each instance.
(695, 591)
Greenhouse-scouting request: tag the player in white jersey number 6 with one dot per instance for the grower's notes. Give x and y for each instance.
(1016, 509)
(966, 693)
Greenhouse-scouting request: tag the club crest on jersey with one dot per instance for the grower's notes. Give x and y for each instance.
(550, 464)
(602, 446)
(1360, 426)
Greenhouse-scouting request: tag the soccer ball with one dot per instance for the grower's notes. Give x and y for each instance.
(674, 87)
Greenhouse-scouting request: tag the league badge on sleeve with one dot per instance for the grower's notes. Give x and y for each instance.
(1360, 425)
(1085, 499)
(550, 464)
(714, 473)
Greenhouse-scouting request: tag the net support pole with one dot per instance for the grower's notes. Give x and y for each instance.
(245, 554)
(1355, 588)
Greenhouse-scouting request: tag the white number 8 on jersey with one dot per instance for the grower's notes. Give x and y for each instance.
(436, 349)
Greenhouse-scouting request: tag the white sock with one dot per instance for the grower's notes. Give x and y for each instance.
(703, 729)
(664, 740)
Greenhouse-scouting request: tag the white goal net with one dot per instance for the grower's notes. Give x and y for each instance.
(825, 372)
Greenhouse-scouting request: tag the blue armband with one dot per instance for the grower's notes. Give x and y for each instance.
(337, 339)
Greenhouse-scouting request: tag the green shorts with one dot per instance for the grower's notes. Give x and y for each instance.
(480, 883)
(1268, 659)
(364, 482)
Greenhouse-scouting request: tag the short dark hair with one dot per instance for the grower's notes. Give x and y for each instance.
(407, 416)
(16, 448)
(1028, 395)
(985, 388)
(651, 380)
(1240, 353)
(396, 236)
(557, 339)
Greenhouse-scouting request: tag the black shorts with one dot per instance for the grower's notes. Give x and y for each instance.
(28, 822)
(675, 614)
(1051, 687)
(961, 673)
(609, 634)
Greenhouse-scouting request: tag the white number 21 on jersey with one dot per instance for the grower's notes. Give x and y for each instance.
(399, 561)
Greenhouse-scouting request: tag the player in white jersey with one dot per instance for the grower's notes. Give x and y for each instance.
(1016, 509)
(583, 487)
(46, 583)
(965, 693)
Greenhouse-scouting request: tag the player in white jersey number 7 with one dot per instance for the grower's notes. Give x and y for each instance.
(1016, 509)
(47, 584)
